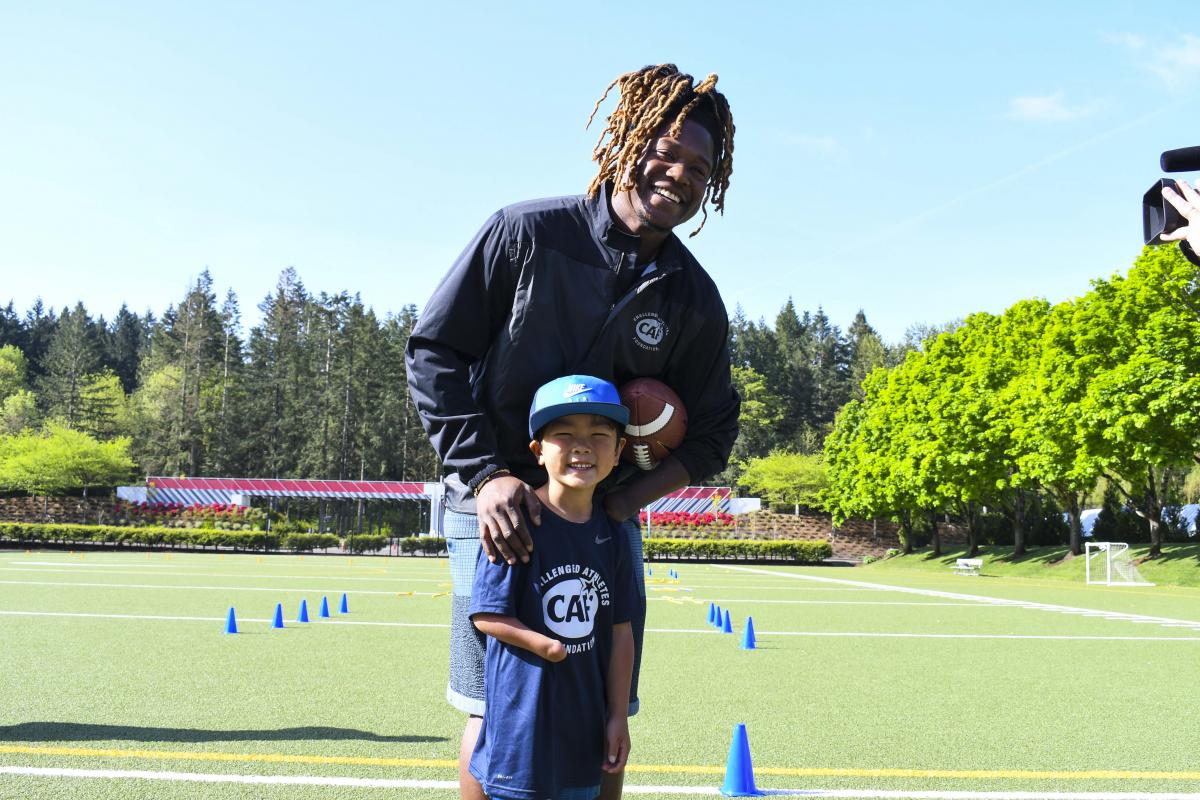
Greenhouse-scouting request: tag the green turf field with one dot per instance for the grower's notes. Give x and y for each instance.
(120, 683)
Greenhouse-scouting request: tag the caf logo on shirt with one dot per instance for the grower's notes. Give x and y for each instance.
(649, 330)
(569, 605)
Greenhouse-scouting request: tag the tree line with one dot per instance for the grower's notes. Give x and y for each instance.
(1028, 412)
(316, 389)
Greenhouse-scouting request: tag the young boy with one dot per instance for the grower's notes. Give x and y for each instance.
(560, 647)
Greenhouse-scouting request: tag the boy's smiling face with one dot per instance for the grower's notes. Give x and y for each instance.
(579, 450)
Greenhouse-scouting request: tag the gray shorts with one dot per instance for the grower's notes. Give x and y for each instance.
(465, 690)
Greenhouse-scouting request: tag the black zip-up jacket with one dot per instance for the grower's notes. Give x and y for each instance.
(535, 296)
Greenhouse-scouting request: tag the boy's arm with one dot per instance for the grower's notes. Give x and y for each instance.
(511, 630)
(620, 675)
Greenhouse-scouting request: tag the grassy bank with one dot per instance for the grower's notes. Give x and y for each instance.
(1179, 564)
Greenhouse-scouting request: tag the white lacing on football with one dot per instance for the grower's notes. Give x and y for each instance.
(655, 425)
(641, 456)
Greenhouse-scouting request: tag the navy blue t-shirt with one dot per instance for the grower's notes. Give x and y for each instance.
(544, 726)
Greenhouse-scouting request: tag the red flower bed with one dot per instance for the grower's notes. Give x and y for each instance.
(196, 515)
(687, 519)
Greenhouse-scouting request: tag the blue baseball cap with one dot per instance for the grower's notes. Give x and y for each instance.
(576, 394)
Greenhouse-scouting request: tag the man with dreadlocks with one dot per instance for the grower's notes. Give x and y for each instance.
(598, 285)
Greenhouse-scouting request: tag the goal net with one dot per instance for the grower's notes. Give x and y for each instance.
(1108, 563)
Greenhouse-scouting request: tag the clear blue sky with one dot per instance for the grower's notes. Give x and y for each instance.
(918, 160)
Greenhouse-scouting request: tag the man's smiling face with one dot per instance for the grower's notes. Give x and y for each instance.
(671, 178)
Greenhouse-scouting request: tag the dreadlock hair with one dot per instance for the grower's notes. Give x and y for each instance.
(650, 97)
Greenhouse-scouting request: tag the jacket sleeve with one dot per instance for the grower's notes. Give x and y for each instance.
(452, 336)
(702, 379)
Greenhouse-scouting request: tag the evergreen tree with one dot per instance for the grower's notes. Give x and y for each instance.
(123, 347)
(280, 379)
(39, 326)
(12, 330)
(72, 356)
(867, 352)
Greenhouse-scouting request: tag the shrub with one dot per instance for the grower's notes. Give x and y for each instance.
(365, 544)
(869, 560)
(147, 536)
(426, 545)
(307, 542)
(800, 550)
(891, 553)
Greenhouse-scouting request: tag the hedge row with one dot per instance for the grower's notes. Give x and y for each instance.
(804, 551)
(149, 536)
(801, 551)
(207, 537)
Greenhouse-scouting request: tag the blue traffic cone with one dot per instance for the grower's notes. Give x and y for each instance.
(712, 613)
(303, 612)
(739, 772)
(324, 607)
(725, 626)
(345, 609)
(717, 618)
(278, 621)
(748, 636)
(231, 622)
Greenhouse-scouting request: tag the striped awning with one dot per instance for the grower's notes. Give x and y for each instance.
(229, 490)
(694, 499)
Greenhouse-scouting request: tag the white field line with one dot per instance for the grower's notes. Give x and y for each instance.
(287, 622)
(452, 786)
(923, 604)
(183, 587)
(1113, 615)
(705, 631)
(256, 576)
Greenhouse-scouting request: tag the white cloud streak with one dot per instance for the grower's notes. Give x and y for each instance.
(1047, 108)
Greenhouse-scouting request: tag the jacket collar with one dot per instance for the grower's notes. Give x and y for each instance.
(606, 230)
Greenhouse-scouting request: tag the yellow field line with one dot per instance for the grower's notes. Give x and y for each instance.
(692, 769)
(191, 755)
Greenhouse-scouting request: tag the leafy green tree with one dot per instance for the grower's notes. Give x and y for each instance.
(13, 369)
(1047, 430)
(1142, 407)
(60, 460)
(18, 412)
(791, 478)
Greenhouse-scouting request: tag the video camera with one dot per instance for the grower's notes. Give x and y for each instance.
(1159, 216)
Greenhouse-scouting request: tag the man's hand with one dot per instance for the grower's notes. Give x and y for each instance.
(625, 502)
(617, 752)
(1187, 203)
(616, 505)
(501, 524)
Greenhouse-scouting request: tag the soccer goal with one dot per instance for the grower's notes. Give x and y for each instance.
(1109, 563)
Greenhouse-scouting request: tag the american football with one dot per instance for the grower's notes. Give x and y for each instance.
(657, 421)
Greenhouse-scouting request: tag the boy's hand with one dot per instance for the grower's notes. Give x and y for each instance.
(618, 744)
(501, 524)
(555, 651)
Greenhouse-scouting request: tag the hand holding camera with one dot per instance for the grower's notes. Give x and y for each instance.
(1186, 200)
(1171, 209)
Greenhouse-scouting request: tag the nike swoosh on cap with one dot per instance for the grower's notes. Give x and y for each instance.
(574, 389)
